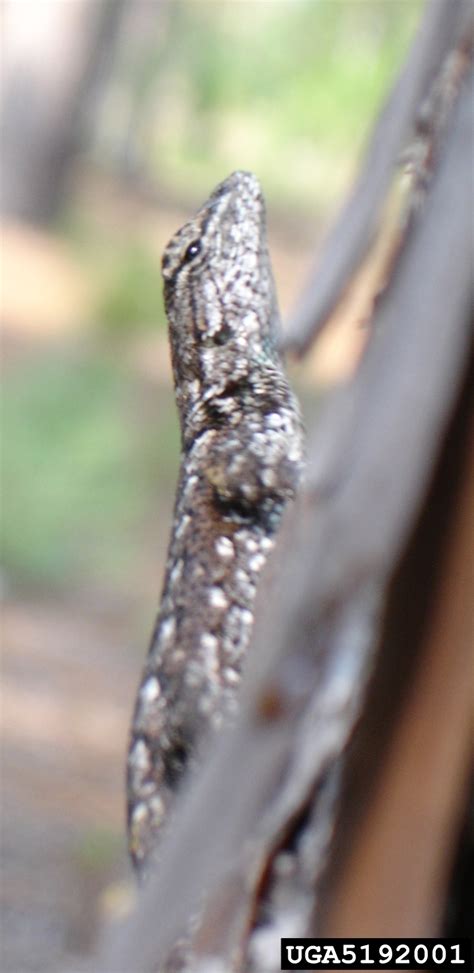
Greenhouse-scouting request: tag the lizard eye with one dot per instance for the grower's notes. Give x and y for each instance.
(192, 251)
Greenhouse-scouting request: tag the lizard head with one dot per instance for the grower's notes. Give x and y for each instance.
(219, 292)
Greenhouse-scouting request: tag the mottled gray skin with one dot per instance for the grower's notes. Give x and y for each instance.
(242, 456)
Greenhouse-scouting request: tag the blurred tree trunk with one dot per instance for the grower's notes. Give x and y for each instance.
(56, 58)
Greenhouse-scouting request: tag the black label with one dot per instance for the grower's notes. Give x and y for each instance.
(377, 954)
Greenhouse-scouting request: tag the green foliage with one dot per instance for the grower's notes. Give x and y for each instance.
(78, 471)
(286, 87)
(130, 294)
(124, 270)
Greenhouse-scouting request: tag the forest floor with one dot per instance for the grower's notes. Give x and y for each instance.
(68, 682)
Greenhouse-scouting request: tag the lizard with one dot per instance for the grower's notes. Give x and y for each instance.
(242, 456)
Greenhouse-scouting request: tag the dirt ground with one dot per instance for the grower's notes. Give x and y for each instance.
(68, 683)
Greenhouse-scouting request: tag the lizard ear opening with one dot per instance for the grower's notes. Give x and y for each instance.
(223, 335)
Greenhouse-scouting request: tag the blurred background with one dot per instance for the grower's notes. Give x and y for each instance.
(117, 120)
